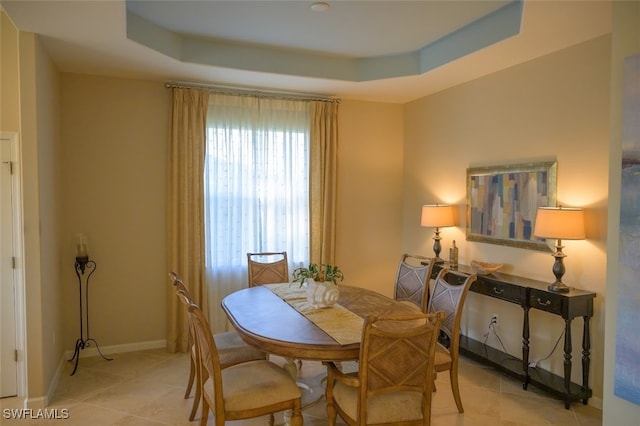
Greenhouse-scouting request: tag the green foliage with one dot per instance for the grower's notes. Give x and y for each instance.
(323, 272)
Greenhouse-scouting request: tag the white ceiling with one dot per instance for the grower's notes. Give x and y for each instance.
(283, 45)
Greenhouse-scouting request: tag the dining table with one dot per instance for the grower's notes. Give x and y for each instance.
(278, 319)
(267, 318)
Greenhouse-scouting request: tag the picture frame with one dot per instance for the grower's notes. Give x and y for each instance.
(502, 202)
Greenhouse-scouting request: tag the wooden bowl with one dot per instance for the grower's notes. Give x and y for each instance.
(485, 268)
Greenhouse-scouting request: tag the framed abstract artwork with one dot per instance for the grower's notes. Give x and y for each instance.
(502, 202)
(627, 371)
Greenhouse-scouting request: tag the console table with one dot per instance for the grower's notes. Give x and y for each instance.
(531, 294)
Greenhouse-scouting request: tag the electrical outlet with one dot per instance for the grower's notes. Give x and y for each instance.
(494, 320)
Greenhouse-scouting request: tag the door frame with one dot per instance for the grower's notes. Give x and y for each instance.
(18, 249)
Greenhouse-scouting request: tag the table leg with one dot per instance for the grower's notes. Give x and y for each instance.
(586, 346)
(525, 347)
(567, 362)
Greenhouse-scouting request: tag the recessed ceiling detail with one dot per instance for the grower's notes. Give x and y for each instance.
(147, 23)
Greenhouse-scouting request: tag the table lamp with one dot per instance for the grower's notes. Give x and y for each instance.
(562, 224)
(438, 216)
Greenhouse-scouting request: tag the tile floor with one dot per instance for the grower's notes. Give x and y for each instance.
(147, 388)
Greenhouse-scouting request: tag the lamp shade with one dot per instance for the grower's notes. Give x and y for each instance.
(559, 223)
(437, 215)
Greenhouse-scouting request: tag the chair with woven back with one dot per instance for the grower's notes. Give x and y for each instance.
(263, 269)
(394, 383)
(232, 350)
(268, 268)
(412, 280)
(242, 391)
(448, 296)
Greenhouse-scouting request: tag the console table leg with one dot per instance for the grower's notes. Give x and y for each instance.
(586, 346)
(567, 362)
(525, 348)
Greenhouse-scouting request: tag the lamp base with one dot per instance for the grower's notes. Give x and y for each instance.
(559, 287)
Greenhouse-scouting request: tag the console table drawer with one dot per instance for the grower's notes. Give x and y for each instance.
(504, 291)
(545, 301)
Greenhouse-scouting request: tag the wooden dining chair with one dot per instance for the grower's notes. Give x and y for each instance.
(412, 280)
(242, 391)
(394, 383)
(232, 350)
(448, 296)
(263, 269)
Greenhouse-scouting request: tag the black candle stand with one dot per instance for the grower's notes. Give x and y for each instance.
(84, 264)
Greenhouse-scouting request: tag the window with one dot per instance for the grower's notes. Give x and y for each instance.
(256, 182)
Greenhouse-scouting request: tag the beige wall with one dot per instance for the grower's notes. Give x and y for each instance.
(369, 193)
(555, 107)
(50, 200)
(113, 158)
(8, 75)
(626, 42)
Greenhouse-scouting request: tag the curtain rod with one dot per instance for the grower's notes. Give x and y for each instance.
(248, 92)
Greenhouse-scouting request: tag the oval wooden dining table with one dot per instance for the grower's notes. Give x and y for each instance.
(266, 321)
(269, 323)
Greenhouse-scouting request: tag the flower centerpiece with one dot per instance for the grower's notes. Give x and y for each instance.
(322, 283)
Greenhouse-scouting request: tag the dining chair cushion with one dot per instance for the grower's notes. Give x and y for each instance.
(382, 408)
(233, 350)
(442, 355)
(254, 384)
(411, 305)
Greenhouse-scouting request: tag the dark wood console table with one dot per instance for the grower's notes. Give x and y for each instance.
(531, 294)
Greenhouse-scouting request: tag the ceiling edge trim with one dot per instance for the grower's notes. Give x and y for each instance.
(497, 26)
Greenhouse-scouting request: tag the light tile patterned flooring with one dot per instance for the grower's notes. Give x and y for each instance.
(147, 388)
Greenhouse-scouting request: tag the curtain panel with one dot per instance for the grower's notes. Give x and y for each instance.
(324, 181)
(185, 209)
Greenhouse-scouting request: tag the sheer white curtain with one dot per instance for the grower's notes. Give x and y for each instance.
(256, 188)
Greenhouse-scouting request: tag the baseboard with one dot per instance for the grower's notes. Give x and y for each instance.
(113, 349)
(595, 402)
(36, 403)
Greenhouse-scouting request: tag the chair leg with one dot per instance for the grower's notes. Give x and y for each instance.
(453, 377)
(332, 415)
(331, 409)
(198, 394)
(196, 398)
(205, 412)
(296, 414)
(192, 374)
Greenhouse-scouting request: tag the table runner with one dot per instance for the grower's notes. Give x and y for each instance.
(340, 323)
